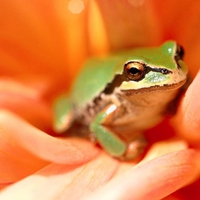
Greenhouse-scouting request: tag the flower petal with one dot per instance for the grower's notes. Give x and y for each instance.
(25, 102)
(39, 41)
(65, 181)
(130, 23)
(188, 113)
(25, 147)
(154, 179)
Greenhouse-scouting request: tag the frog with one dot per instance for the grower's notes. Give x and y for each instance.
(120, 96)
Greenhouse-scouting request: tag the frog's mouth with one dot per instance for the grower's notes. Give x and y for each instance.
(155, 88)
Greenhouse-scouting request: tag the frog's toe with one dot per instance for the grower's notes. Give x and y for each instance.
(135, 148)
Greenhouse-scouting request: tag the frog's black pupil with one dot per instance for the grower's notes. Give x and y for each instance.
(134, 70)
(165, 71)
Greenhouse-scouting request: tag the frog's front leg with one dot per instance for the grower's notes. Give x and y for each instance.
(106, 138)
(109, 140)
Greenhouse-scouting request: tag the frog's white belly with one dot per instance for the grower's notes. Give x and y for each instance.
(142, 111)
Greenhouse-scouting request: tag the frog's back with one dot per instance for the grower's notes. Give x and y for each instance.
(93, 78)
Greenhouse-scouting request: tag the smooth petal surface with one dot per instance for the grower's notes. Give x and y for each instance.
(26, 149)
(188, 113)
(30, 138)
(173, 170)
(26, 102)
(65, 181)
(155, 179)
(138, 24)
(37, 41)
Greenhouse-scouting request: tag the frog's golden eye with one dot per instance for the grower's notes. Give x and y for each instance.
(134, 71)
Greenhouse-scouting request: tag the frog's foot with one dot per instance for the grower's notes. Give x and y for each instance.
(107, 139)
(135, 148)
(111, 141)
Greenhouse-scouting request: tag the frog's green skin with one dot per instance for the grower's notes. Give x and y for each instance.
(118, 103)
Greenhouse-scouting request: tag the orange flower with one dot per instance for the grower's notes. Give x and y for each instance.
(42, 46)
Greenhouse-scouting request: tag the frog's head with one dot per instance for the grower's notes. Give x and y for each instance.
(160, 67)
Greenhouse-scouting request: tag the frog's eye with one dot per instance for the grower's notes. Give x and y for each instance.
(180, 51)
(134, 71)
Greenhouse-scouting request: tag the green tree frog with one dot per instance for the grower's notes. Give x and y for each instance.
(120, 96)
